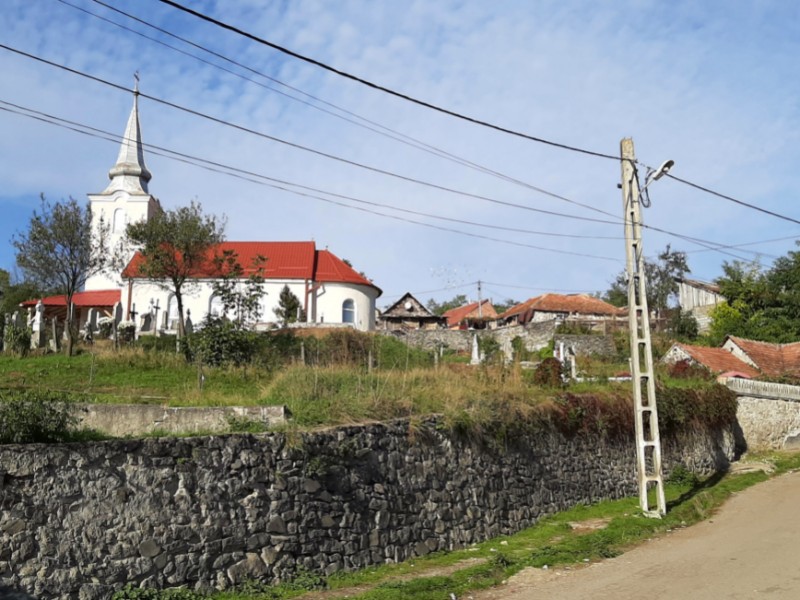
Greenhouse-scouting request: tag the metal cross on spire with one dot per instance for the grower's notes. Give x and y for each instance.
(136, 82)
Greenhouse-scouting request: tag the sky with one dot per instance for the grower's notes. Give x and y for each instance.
(714, 86)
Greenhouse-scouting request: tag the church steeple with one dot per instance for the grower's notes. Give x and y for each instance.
(130, 173)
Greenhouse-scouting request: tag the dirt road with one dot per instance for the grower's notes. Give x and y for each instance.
(750, 549)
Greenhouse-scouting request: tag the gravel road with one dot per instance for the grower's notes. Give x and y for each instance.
(749, 549)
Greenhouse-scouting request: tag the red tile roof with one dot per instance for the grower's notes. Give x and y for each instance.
(718, 360)
(80, 299)
(572, 304)
(455, 316)
(285, 260)
(773, 359)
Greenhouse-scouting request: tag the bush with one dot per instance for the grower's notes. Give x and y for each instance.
(221, 342)
(18, 339)
(548, 373)
(34, 416)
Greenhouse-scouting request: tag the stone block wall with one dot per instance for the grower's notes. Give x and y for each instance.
(588, 345)
(79, 520)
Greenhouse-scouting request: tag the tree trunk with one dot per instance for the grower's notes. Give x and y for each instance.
(181, 329)
(68, 328)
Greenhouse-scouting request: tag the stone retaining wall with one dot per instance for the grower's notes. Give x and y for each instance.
(79, 520)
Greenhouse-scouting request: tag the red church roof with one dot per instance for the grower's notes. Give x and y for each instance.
(285, 260)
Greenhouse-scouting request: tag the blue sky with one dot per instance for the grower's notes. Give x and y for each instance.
(713, 86)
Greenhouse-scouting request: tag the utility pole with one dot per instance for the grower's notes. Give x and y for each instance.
(480, 301)
(648, 443)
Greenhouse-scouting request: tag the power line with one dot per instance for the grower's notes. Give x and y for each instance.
(698, 241)
(248, 176)
(731, 199)
(306, 148)
(381, 88)
(368, 124)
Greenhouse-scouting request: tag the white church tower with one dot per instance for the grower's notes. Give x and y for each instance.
(126, 199)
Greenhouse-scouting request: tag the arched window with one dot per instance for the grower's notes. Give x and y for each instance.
(118, 225)
(172, 314)
(348, 311)
(215, 308)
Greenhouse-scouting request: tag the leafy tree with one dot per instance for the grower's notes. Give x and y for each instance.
(439, 308)
(240, 296)
(174, 245)
(761, 304)
(661, 274)
(289, 308)
(60, 251)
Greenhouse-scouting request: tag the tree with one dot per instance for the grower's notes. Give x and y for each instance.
(61, 250)
(503, 306)
(289, 308)
(438, 308)
(661, 274)
(239, 296)
(174, 245)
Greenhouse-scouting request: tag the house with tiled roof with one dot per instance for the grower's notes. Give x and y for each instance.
(475, 315)
(773, 360)
(575, 307)
(329, 289)
(716, 360)
(747, 358)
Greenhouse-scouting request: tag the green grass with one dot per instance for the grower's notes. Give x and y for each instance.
(132, 376)
(555, 541)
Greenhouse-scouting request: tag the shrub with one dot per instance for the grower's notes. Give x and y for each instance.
(105, 327)
(35, 416)
(18, 339)
(126, 331)
(548, 373)
(686, 369)
(221, 342)
(129, 592)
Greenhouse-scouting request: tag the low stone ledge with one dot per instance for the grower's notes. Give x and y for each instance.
(122, 420)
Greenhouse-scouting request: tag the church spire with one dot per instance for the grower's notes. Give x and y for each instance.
(130, 173)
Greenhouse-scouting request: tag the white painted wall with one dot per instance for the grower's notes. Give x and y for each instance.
(325, 303)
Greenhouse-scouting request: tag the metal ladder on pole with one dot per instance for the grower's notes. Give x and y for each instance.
(648, 441)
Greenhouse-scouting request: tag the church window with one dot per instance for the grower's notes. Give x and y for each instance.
(119, 221)
(215, 308)
(348, 311)
(172, 314)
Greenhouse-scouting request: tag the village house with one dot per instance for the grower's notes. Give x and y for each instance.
(329, 290)
(741, 358)
(409, 313)
(476, 315)
(581, 308)
(698, 298)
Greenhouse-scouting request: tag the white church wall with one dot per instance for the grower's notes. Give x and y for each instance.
(329, 300)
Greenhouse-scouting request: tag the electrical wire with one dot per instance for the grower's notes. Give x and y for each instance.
(734, 200)
(306, 148)
(384, 89)
(363, 122)
(268, 181)
(698, 241)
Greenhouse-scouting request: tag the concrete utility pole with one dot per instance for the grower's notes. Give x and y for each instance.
(480, 301)
(648, 442)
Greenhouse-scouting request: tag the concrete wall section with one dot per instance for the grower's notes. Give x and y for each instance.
(79, 520)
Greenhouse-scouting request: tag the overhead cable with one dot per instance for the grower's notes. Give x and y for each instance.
(382, 88)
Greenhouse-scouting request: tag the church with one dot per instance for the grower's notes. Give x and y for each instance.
(330, 291)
